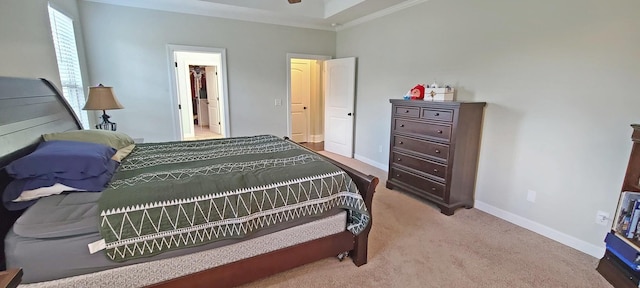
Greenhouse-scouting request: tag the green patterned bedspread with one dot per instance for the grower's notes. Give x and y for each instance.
(174, 195)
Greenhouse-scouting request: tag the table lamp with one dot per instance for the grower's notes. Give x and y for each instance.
(102, 98)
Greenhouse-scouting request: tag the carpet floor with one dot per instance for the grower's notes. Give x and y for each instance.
(412, 244)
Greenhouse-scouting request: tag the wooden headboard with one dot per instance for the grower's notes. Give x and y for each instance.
(28, 109)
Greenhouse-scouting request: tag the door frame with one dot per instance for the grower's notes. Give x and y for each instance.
(298, 56)
(222, 87)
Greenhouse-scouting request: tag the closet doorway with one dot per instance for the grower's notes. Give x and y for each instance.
(199, 78)
(205, 102)
(327, 123)
(305, 99)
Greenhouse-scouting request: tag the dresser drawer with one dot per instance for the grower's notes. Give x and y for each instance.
(439, 131)
(439, 151)
(431, 168)
(424, 184)
(413, 112)
(437, 114)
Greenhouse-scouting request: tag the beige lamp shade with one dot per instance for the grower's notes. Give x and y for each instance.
(102, 98)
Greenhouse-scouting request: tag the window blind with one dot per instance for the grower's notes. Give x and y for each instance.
(64, 41)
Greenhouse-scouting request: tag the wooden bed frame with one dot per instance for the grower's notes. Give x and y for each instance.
(32, 107)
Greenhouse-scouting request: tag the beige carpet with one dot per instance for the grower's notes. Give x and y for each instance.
(412, 245)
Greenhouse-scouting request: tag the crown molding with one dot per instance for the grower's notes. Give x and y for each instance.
(378, 14)
(229, 12)
(211, 9)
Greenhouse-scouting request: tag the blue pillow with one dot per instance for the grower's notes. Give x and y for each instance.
(17, 186)
(63, 160)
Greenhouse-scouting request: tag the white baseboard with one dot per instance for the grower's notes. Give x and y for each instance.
(573, 242)
(378, 165)
(316, 138)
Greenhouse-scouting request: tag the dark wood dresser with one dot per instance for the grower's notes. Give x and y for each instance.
(434, 150)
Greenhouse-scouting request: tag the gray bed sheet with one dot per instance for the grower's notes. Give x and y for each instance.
(49, 241)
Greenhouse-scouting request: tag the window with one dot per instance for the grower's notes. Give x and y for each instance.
(64, 40)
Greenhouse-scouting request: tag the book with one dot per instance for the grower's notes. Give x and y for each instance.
(635, 215)
(626, 207)
(625, 251)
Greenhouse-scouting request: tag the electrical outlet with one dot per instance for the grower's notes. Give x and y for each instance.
(602, 218)
(531, 196)
(278, 102)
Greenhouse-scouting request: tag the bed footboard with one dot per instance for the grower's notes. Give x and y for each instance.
(367, 186)
(251, 269)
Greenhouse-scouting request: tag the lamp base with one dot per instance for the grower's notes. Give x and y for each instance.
(106, 124)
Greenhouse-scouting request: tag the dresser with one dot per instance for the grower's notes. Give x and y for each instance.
(434, 149)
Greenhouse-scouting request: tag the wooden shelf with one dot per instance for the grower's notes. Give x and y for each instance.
(610, 267)
(10, 278)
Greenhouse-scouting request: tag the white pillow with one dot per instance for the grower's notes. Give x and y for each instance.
(57, 188)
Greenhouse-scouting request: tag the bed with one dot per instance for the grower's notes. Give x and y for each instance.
(30, 108)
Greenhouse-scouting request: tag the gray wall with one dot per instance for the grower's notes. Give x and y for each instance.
(560, 79)
(26, 48)
(127, 49)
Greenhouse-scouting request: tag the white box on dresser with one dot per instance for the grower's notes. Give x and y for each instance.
(438, 94)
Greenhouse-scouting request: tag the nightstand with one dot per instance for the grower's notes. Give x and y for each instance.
(10, 278)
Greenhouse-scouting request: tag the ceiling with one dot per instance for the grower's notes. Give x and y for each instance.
(317, 14)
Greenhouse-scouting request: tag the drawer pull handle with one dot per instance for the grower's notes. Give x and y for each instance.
(401, 125)
(399, 159)
(437, 151)
(401, 142)
(398, 175)
(435, 170)
(439, 131)
(406, 111)
(433, 188)
(437, 114)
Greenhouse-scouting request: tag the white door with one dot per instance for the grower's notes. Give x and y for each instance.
(300, 99)
(213, 97)
(340, 87)
(185, 100)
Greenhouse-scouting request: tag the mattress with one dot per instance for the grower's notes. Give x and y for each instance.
(61, 226)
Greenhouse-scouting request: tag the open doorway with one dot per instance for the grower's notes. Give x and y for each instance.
(327, 122)
(305, 102)
(205, 103)
(200, 94)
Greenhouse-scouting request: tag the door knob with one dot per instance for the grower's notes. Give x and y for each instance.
(305, 108)
(348, 114)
